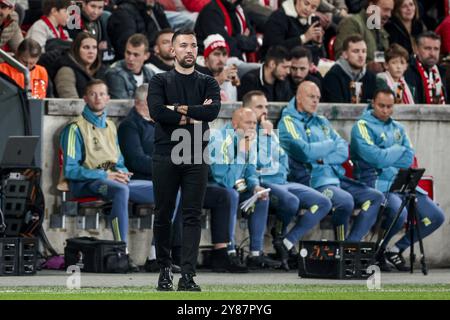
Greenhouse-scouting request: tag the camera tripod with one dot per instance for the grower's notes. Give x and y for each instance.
(405, 184)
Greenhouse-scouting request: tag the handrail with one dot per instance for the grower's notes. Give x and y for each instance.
(16, 64)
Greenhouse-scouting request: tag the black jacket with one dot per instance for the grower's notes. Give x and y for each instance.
(398, 33)
(136, 136)
(336, 86)
(284, 30)
(279, 92)
(211, 21)
(316, 78)
(414, 81)
(131, 17)
(173, 88)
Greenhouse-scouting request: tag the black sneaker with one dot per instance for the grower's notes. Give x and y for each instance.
(262, 262)
(132, 267)
(293, 258)
(282, 252)
(165, 279)
(397, 260)
(382, 263)
(235, 265)
(187, 283)
(151, 265)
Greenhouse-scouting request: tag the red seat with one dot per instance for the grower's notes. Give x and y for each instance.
(330, 48)
(63, 186)
(427, 182)
(348, 166)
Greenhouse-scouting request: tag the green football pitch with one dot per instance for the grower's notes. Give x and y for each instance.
(234, 292)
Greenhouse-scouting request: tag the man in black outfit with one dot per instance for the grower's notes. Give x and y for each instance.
(271, 78)
(181, 101)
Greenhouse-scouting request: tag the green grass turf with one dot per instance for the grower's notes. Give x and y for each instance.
(233, 292)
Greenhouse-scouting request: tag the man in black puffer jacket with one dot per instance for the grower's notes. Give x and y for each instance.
(135, 16)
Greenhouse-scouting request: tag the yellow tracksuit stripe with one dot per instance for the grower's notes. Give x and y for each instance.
(115, 229)
(290, 127)
(364, 133)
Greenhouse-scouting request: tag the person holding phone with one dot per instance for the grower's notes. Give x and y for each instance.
(295, 23)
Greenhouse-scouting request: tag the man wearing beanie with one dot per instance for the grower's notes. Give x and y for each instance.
(216, 55)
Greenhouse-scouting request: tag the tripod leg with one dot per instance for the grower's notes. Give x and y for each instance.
(379, 244)
(410, 225)
(413, 206)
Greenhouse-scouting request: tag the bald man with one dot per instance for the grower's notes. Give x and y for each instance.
(286, 198)
(233, 166)
(316, 153)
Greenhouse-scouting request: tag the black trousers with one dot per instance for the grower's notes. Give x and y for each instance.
(167, 179)
(217, 199)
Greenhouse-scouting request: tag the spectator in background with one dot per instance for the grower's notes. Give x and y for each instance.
(216, 56)
(78, 67)
(128, 74)
(336, 8)
(135, 16)
(259, 11)
(376, 39)
(177, 14)
(397, 59)
(295, 24)
(50, 25)
(10, 33)
(227, 18)
(94, 21)
(349, 81)
(271, 77)
(405, 25)
(194, 5)
(301, 68)
(425, 77)
(443, 30)
(28, 54)
(161, 59)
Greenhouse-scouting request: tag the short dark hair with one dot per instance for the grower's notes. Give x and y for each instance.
(300, 52)
(383, 91)
(94, 82)
(48, 5)
(137, 40)
(354, 38)
(428, 34)
(249, 96)
(396, 51)
(163, 31)
(277, 54)
(30, 46)
(183, 31)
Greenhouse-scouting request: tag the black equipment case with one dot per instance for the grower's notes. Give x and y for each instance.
(335, 259)
(94, 255)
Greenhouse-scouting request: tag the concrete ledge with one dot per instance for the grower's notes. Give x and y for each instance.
(119, 108)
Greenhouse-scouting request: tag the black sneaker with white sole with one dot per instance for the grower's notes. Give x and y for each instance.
(397, 260)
